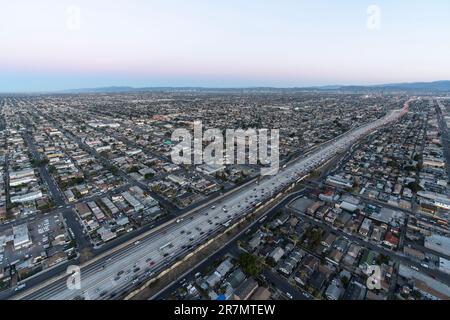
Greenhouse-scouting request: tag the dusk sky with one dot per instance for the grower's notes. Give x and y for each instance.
(229, 43)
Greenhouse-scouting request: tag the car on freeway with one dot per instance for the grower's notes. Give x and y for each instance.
(20, 287)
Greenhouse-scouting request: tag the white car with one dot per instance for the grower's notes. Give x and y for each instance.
(20, 287)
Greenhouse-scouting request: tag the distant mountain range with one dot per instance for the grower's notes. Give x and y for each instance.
(420, 87)
(436, 86)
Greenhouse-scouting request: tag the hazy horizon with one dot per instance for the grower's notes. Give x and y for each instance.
(68, 90)
(61, 45)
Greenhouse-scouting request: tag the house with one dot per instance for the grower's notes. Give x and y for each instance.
(213, 279)
(288, 265)
(352, 255)
(83, 210)
(355, 291)
(246, 289)
(283, 219)
(255, 241)
(328, 241)
(391, 240)
(236, 278)
(224, 267)
(317, 280)
(310, 263)
(335, 290)
(277, 254)
(261, 294)
(69, 195)
(335, 256)
(314, 207)
(367, 259)
(341, 244)
(364, 229)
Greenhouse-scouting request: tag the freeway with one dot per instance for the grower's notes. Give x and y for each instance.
(231, 247)
(445, 138)
(110, 276)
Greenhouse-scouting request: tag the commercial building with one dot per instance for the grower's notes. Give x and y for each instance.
(27, 197)
(438, 243)
(21, 236)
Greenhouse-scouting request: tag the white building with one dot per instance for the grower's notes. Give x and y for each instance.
(21, 236)
(132, 201)
(27, 197)
(21, 174)
(277, 254)
(339, 181)
(210, 169)
(22, 181)
(440, 200)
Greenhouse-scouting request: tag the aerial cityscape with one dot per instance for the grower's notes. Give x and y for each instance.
(114, 187)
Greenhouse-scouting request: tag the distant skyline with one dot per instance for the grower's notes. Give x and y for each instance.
(199, 43)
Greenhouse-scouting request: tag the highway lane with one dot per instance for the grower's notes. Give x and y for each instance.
(133, 256)
(189, 226)
(229, 247)
(99, 281)
(445, 137)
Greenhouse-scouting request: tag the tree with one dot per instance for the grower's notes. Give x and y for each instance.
(382, 259)
(250, 264)
(345, 281)
(149, 175)
(133, 169)
(315, 174)
(271, 261)
(419, 167)
(414, 186)
(156, 188)
(392, 163)
(114, 170)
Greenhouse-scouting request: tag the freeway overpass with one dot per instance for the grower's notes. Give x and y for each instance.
(110, 276)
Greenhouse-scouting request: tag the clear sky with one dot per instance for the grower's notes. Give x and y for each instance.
(219, 43)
